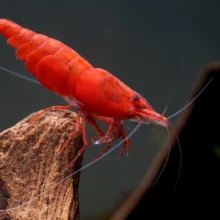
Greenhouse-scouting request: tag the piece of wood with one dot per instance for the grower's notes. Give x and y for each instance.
(30, 164)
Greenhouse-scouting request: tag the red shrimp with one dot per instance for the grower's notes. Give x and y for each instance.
(98, 94)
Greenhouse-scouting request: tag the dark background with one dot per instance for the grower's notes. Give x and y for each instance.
(155, 47)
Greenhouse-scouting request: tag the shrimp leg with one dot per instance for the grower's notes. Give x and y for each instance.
(85, 141)
(106, 138)
(126, 144)
(116, 136)
(100, 133)
(93, 123)
(38, 115)
(103, 151)
(74, 133)
(119, 133)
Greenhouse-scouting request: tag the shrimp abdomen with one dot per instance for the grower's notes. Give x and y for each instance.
(51, 61)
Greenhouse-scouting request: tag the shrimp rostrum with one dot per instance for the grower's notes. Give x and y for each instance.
(98, 95)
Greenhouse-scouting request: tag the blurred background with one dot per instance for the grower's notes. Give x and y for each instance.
(155, 47)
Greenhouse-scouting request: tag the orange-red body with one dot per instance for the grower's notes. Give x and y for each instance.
(97, 94)
(65, 72)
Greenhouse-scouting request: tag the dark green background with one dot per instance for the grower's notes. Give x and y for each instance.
(143, 43)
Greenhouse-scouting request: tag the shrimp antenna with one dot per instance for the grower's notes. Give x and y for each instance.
(169, 117)
(176, 113)
(165, 109)
(181, 159)
(19, 75)
(167, 159)
(168, 156)
(77, 171)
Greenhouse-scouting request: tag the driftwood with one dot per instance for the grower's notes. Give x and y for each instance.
(30, 164)
(199, 184)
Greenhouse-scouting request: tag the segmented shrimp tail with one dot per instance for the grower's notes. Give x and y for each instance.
(16, 35)
(9, 28)
(43, 54)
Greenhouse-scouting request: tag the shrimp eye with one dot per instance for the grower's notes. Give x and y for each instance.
(135, 98)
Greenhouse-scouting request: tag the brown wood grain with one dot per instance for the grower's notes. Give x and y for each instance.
(30, 164)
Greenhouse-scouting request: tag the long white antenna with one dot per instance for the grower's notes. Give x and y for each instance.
(18, 75)
(176, 113)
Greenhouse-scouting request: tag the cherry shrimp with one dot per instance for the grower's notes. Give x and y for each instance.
(98, 95)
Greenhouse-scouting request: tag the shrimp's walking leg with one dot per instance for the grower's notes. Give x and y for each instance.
(96, 127)
(116, 136)
(100, 133)
(85, 141)
(126, 144)
(103, 119)
(106, 137)
(118, 133)
(114, 132)
(38, 115)
(122, 134)
(74, 133)
(104, 150)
